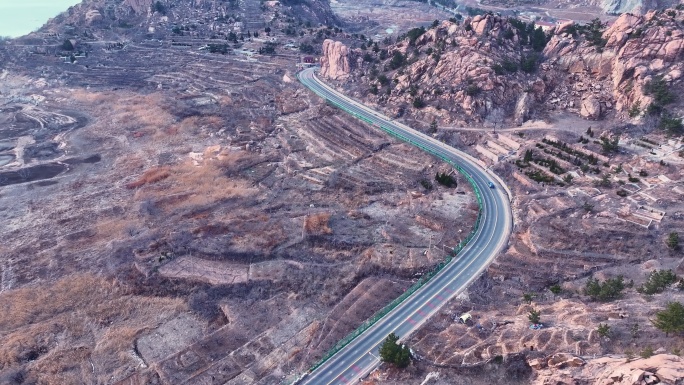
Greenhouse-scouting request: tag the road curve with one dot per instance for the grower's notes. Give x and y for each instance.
(360, 357)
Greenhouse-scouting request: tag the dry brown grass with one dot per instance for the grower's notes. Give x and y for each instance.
(112, 229)
(54, 332)
(191, 124)
(126, 111)
(318, 224)
(187, 185)
(259, 234)
(429, 223)
(150, 176)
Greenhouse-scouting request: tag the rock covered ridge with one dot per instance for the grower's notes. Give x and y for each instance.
(637, 48)
(104, 15)
(610, 370)
(487, 69)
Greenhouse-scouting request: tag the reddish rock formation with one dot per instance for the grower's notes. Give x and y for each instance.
(637, 48)
(336, 60)
(611, 370)
(458, 71)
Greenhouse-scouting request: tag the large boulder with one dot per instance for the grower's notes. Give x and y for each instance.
(336, 63)
(481, 24)
(591, 108)
(564, 360)
(522, 109)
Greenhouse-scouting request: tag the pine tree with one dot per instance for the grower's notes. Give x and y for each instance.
(393, 353)
(534, 316)
(673, 241)
(389, 348)
(670, 320)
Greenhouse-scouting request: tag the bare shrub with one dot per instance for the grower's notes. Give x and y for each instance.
(318, 224)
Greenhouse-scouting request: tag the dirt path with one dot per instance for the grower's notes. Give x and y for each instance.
(567, 123)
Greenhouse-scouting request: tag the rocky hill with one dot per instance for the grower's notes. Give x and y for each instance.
(633, 6)
(575, 8)
(492, 70)
(133, 18)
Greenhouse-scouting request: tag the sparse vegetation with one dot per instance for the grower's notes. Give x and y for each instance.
(397, 60)
(219, 48)
(528, 297)
(593, 32)
(539, 176)
(610, 145)
(647, 352)
(413, 34)
(568, 179)
(180, 233)
(498, 69)
(660, 91)
(268, 48)
(635, 110)
(603, 330)
(673, 240)
(604, 182)
(473, 90)
(662, 96)
(528, 63)
(433, 126)
(671, 124)
(556, 289)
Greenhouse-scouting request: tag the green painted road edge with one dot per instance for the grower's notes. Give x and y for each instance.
(426, 277)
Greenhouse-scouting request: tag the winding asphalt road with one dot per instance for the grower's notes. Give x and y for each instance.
(360, 357)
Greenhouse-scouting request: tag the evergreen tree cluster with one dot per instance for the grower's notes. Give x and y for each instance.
(393, 353)
(445, 179)
(606, 291)
(658, 281)
(530, 35)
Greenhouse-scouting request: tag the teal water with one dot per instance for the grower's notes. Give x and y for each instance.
(19, 17)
